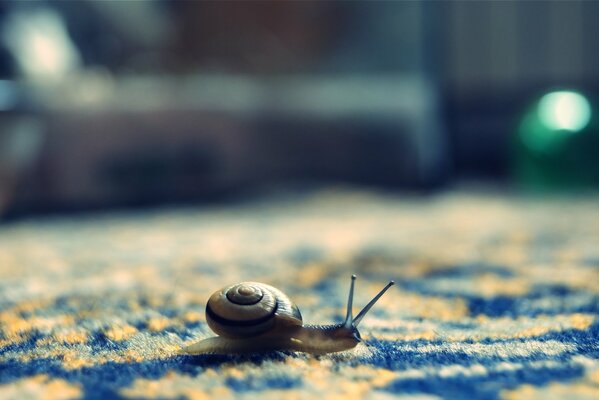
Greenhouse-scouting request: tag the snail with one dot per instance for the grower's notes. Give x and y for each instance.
(254, 317)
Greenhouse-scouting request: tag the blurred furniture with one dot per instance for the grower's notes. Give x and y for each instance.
(151, 140)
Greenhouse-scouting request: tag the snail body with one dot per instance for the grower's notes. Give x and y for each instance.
(254, 317)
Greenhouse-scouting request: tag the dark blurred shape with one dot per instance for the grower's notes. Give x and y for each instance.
(21, 138)
(205, 99)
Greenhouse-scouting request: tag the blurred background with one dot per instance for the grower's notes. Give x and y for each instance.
(107, 104)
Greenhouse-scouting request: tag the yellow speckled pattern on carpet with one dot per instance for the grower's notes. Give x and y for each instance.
(496, 298)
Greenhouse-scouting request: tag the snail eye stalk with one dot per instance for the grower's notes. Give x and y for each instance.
(350, 302)
(372, 302)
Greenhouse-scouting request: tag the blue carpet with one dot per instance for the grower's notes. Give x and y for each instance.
(496, 298)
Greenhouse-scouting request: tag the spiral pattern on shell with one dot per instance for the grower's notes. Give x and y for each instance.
(250, 308)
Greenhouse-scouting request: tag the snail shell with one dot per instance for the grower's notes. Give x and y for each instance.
(250, 308)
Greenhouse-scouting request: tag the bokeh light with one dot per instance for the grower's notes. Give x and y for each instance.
(564, 110)
(555, 117)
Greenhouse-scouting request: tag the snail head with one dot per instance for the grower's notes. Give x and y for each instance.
(351, 323)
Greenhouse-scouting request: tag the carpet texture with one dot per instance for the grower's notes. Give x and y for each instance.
(496, 298)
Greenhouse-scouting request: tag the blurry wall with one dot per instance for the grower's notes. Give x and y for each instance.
(497, 44)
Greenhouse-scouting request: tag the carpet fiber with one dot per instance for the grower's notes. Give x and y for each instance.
(496, 297)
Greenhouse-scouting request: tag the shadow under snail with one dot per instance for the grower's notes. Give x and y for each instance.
(253, 317)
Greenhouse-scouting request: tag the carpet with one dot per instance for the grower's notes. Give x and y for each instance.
(496, 297)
